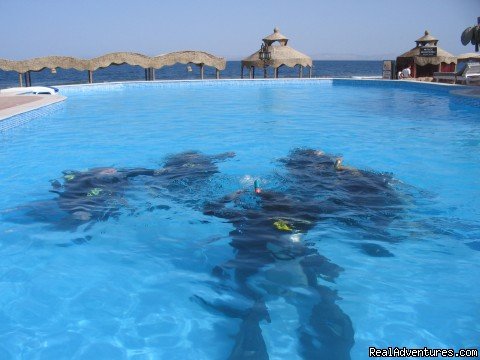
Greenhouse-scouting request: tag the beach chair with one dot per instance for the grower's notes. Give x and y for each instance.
(468, 74)
(471, 74)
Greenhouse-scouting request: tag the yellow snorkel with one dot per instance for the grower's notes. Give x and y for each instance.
(282, 225)
(94, 192)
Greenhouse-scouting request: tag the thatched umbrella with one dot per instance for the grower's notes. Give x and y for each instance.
(468, 57)
(199, 58)
(427, 58)
(280, 55)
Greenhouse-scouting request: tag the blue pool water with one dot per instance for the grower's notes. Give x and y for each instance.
(167, 277)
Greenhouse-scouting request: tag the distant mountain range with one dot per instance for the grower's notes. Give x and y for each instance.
(387, 56)
(351, 57)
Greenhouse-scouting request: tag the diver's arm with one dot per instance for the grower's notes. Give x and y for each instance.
(217, 208)
(139, 172)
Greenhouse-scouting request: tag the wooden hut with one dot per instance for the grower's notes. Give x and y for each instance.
(426, 58)
(279, 55)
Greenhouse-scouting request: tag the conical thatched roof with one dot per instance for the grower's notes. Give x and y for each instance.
(442, 57)
(276, 36)
(427, 38)
(280, 55)
(428, 41)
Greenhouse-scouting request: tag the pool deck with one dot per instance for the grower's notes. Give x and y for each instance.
(11, 105)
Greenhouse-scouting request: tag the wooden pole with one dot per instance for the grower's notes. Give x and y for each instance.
(28, 79)
(276, 73)
(20, 79)
(201, 71)
(90, 76)
(217, 73)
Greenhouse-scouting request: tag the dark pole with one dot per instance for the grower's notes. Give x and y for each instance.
(90, 76)
(146, 74)
(241, 73)
(28, 79)
(201, 71)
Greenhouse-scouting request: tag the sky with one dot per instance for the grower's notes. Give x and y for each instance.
(333, 29)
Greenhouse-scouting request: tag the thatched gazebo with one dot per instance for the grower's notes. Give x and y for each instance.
(280, 55)
(427, 58)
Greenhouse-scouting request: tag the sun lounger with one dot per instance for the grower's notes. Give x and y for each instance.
(467, 75)
(36, 90)
(471, 74)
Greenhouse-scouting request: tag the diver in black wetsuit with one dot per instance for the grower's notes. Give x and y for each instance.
(267, 240)
(97, 194)
(267, 237)
(94, 194)
(361, 199)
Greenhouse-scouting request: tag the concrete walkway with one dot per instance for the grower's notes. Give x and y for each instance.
(11, 105)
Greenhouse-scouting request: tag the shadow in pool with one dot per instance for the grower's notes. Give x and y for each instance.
(98, 194)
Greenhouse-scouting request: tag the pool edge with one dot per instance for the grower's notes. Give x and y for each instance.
(46, 100)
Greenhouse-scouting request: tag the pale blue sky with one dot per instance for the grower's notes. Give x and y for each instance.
(232, 29)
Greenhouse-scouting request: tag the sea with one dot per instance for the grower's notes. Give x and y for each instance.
(321, 68)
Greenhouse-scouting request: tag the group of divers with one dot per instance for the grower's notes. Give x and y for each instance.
(268, 226)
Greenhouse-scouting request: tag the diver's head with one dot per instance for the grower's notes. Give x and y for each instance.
(338, 164)
(108, 171)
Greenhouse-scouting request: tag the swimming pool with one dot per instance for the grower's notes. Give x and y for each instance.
(186, 262)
